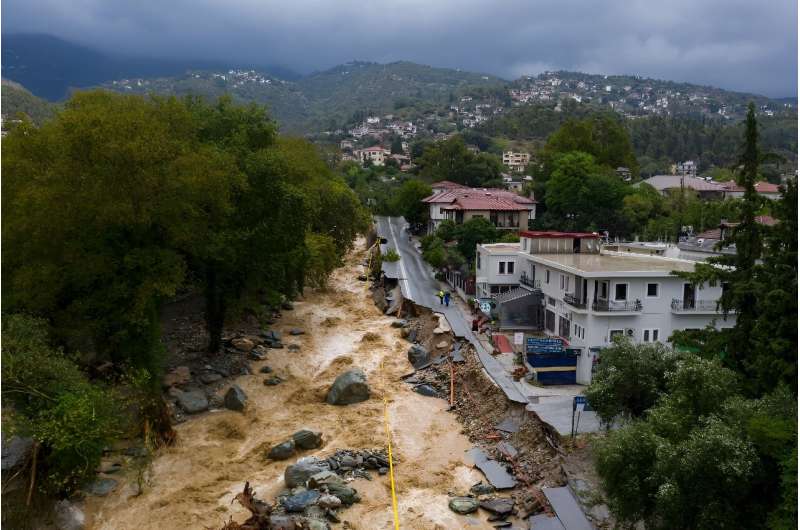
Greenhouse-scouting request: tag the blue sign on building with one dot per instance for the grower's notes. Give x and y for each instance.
(541, 345)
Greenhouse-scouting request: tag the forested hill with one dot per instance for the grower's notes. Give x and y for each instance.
(658, 140)
(328, 99)
(17, 100)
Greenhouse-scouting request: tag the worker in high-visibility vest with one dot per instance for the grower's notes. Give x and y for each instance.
(440, 294)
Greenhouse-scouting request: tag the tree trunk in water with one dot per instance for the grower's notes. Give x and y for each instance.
(215, 312)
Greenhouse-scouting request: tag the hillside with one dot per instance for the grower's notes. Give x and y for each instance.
(49, 67)
(16, 99)
(323, 100)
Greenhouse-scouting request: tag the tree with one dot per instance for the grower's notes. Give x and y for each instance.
(474, 232)
(582, 195)
(408, 201)
(104, 203)
(71, 419)
(450, 160)
(700, 455)
(397, 145)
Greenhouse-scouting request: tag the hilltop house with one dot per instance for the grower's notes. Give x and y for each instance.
(569, 288)
(516, 161)
(377, 155)
(505, 209)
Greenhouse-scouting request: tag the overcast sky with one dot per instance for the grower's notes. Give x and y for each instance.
(747, 45)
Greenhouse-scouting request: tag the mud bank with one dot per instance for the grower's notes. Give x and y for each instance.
(192, 484)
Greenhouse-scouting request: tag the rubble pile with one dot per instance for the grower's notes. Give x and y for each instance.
(317, 490)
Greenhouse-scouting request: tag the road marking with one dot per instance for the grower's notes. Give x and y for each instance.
(403, 271)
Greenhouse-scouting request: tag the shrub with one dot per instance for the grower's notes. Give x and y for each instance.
(54, 403)
(391, 256)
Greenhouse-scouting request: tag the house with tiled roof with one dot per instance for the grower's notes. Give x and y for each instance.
(506, 210)
(705, 189)
(377, 155)
(763, 188)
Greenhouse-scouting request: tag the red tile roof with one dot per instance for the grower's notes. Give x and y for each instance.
(470, 195)
(486, 203)
(766, 220)
(549, 234)
(446, 184)
(761, 187)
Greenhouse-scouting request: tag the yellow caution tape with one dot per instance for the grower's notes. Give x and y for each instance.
(389, 451)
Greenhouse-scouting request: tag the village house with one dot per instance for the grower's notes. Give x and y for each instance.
(516, 161)
(376, 155)
(704, 189)
(763, 188)
(506, 210)
(571, 289)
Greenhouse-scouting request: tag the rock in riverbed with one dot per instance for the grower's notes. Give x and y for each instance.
(192, 401)
(350, 387)
(307, 439)
(282, 451)
(463, 505)
(235, 398)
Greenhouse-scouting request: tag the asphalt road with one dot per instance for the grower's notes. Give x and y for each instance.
(417, 282)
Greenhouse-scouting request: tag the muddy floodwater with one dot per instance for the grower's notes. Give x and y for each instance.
(193, 483)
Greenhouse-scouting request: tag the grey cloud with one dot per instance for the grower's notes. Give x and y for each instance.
(735, 44)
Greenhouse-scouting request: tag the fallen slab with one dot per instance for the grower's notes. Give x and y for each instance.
(567, 509)
(495, 473)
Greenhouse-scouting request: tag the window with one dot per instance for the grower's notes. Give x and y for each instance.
(441, 211)
(511, 267)
(621, 291)
(547, 276)
(551, 301)
(652, 290)
(502, 267)
(614, 333)
(603, 291)
(650, 335)
(525, 243)
(479, 260)
(550, 321)
(561, 281)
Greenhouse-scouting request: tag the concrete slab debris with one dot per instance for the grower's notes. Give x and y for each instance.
(545, 522)
(495, 473)
(566, 508)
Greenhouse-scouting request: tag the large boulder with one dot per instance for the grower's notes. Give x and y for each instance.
(418, 355)
(192, 401)
(307, 439)
(67, 516)
(282, 451)
(16, 451)
(345, 493)
(500, 506)
(299, 502)
(463, 505)
(235, 398)
(350, 387)
(298, 473)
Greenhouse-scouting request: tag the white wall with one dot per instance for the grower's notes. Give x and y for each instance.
(656, 312)
(488, 273)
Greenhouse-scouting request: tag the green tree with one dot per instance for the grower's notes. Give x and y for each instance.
(104, 202)
(70, 418)
(407, 201)
(397, 145)
(582, 195)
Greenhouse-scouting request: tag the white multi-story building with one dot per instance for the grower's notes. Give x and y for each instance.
(516, 161)
(590, 296)
(496, 270)
(377, 155)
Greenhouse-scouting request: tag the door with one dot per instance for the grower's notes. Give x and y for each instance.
(688, 296)
(576, 245)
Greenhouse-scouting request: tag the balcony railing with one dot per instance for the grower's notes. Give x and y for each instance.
(530, 283)
(611, 305)
(574, 301)
(694, 305)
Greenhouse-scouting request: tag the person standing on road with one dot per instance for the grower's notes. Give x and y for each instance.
(440, 294)
(447, 298)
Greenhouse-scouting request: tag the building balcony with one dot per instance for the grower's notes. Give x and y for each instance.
(694, 306)
(529, 283)
(611, 306)
(574, 301)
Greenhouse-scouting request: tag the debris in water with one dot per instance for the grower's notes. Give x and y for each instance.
(495, 473)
